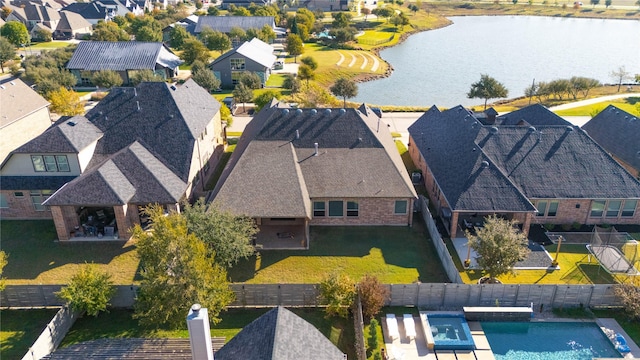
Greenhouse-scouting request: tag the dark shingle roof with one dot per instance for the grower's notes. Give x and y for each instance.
(69, 136)
(33, 182)
(273, 173)
(618, 132)
(91, 10)
(279, 335)
(225, 23)
(521, 163)
(18, 100)
(535, 115)
(121, 56)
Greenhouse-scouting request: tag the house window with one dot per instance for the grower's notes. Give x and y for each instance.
(318, 209)
(18, 194)
(237, 64)
(38, 197)
(613, 208)
(50, 163)
(352, 208)
(629, 208)
(235, 77)
(547, 208)
(400, 207)
(336, 208)
(4, 204)
(597, 208)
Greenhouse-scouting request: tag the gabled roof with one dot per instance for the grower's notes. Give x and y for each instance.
(226, 23)
(91, 10)
(70, 21)
(279, 335)
(618, 132)
(498, 168)
(121, 56)
(68, 136)
(534, 115)
(256, 50)
(18, 100)
(273, 172)
(36, 12)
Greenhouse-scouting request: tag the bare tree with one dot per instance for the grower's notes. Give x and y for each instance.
(620, 76)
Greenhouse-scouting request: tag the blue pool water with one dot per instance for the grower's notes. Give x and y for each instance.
(450, 332)
(547, 341)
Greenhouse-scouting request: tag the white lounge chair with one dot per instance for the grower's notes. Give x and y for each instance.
(409, 326)
(392, 327)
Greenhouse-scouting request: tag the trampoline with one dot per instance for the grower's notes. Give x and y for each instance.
(615, 252)
(612, 259)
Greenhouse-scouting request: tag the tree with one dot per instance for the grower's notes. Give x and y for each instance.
(579, 84)
(215, 40)
(43, 35)
(263, 99)
(385, 12)
(343, 35)
(499, 245)
(595, 2)
(305, 17)
(106, 79)
(206, 79)
(400, 20)
(620, 75)
(243, 94)
(65, 102)
(177, 36)
(629, 297)
(267, 34)
(637, 78)
(310, 62)
(487, 88)
(291, 83)
(250, 80)
(88, 291)
(145, 75)
(225, 114)
(213, 11)
(558, 88)
(146, 33)
(338, 293)
(109, 31)
(341, 19)
(344, 88)
(3, 263)
(194, 50)
(372, 340)
(7, 51)
(305, 73)
(294, 46)
(237, 34)
(373, 296)
(608, 3)
(15, 32)
(146, 28)
(176, 273)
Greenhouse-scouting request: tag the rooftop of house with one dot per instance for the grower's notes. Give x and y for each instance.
(618, 132)
(36, 12)
(256, 50)
(226, 23)
(534, 115)
(69, 135)
(499, 168)
(18, 100)
(121, 56)
(274, 170)
(72, 21)
(88, 10)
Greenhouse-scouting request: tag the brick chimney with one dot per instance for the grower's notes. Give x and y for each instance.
(199, 333)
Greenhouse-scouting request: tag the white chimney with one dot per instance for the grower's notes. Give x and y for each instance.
(199, 333)
(297, 134)
(315, 145)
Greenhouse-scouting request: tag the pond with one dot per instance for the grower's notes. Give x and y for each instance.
(439, 66)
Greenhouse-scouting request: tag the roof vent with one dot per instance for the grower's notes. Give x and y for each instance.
(484, 164)
(532, 129)
(494, 129)
(297, 134)
(638, 154)
(327, 111)
(314, 111)
(138, 105)
(2, 87)
(12, 83)
(299, 112)
(135, 92)
(569, 128)
(343, 111)
(173, 87)
(285, 111)
(71, 123)
(315, 146)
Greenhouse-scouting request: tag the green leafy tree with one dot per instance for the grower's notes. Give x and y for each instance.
(15, 32)
(372, 340)
(194, 50)
(147, 33)
(499, 244)
(109, 31)
(263, 99)
(337, 292)
(373, 296)
(7, 51)
(65, 102)
(343, 35)
(313, 96)
(243, 94)
(267, 34)
(213, 11)
(487, 88)
(215, 40)
(305, 17)
(558, 88)
(237, 34)
(106, 79)
(341, 19)
(229, 237)
(385, 12)
(177, 37)
(305, 73)
(620, 75)
(241, 11)
(595, 2)
(206, 79)
(3, 263)
(146, 28)
(88, 291)
(400, 20)
(294, 46)
(176, 272)
(250, 80)
(291, 83)
(225, 114)
(145, 75)
(344, 88)
(43, 35)
(608, 3)
(579, 84)
(310, 62)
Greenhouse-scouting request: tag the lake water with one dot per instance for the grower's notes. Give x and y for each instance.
(439, 66)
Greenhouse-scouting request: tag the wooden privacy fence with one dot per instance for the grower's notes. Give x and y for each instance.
(52, 335)
(425, 295)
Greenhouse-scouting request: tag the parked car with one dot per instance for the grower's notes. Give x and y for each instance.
(230, 102)
(278, 65)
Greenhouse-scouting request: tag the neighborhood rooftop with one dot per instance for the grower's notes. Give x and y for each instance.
(121, 56)
(226, 23)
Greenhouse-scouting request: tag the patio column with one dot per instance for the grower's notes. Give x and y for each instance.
(62, 229)
(527, 223)
(124, 225)
(454, 224)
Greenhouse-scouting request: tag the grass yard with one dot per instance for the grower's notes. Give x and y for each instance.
(393, 254)
(20, 328)
(406, 157)
(276, 80)
(630, 105)
(213, 180)
(35, 258)
(47, 45)
(118, 323)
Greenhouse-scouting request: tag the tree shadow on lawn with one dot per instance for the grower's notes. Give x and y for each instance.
(32, 250)
(632, 100)
(25, 326)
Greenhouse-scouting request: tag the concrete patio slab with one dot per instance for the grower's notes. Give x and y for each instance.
(446, 355)
(465, 355)
(612, 324)
(484, 355)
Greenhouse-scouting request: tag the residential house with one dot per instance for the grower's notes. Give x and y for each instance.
(72, 26)
(298, 167)
(124, 57)
(24, 115)
(618, 132)
(244, 3)
(154, 143)
(255, 56)
(189, 23)
(542, 174)
(32, 15)
(105, 10)
(224, 24)
(326, 5)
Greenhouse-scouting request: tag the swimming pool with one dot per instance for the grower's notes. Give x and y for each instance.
(450, 332)
(548, 341)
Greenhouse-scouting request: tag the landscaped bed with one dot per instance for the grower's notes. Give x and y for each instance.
(20, 328)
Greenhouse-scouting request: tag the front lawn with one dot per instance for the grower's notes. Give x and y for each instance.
(47, 45)
(629, 105)
(20, 328)
(396, 255)
(35, 257)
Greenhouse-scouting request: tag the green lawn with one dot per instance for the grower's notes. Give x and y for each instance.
(406, 157)
(629, 105)
(354, 251)
(213, 180)
(276, 80)
(47, 45)
(36, 258)
(20, 328)
(118, 323)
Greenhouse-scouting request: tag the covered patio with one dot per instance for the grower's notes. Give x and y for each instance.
(282, 234)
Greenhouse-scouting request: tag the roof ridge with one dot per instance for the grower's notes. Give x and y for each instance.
(99, 171)
(276, 331)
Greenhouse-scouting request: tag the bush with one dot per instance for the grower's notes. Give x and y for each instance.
(89, 291)
(338, 293)
(549, 227)
(372, 340)
(373, 295)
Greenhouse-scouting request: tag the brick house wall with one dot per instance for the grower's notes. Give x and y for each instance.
(371, 211)
(436, 197)
(21, 207)
(579, 211)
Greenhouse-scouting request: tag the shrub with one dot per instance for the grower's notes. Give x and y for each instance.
(576, 225)
(549, 227)
(338, 293)
(89, 290)
(373, 295)
(372, 340)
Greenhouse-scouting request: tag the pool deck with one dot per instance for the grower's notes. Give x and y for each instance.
(612, 324)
